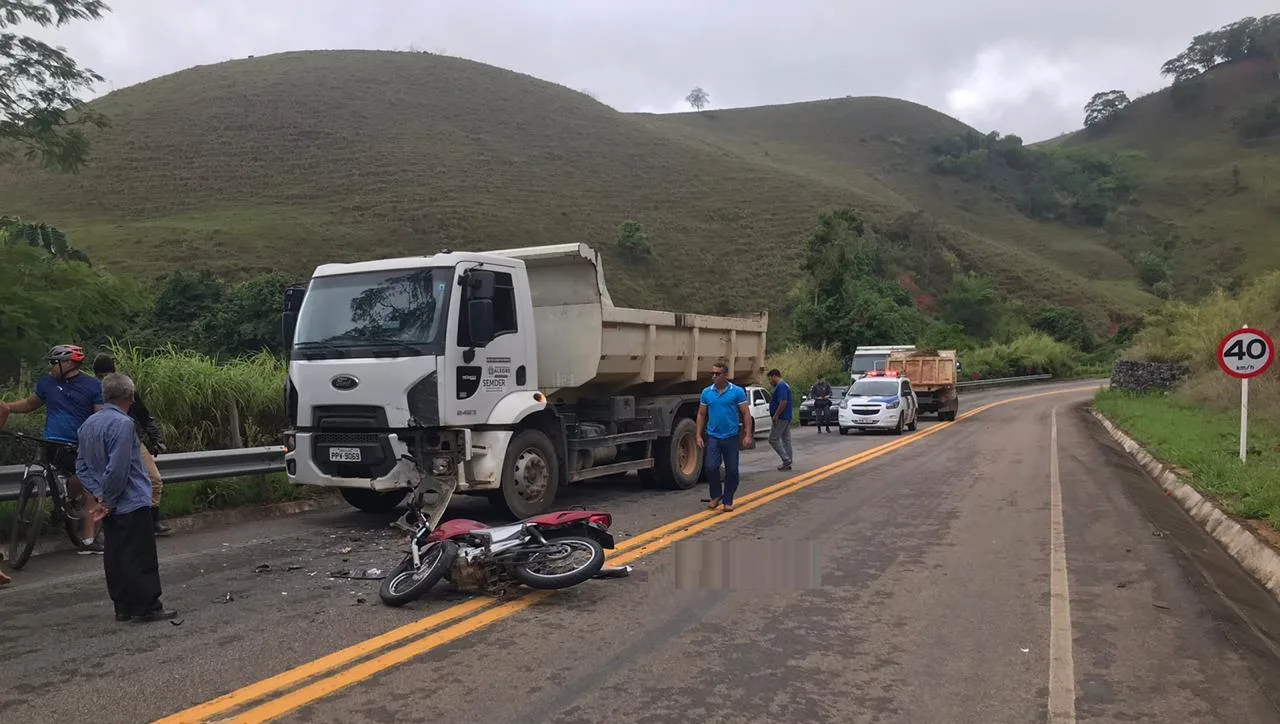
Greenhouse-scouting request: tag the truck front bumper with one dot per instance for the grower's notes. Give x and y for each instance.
(350, 460)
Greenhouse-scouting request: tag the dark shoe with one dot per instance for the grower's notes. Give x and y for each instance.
(159, 614)
(89, 549)
(785, 466)
(123, 617)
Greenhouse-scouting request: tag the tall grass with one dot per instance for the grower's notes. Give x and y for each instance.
(1031, 354)
(192, 396)
(801, 365)
(1189, 334)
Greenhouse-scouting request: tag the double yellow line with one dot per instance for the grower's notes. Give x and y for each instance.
(481, 612)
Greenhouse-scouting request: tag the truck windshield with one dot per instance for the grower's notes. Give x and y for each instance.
(872, 387)
(401, 311)
(863, 363)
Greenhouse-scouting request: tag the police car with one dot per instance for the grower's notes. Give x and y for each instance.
(879, 401)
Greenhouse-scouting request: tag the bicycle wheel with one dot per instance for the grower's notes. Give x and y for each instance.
(28, 517)
(70, 510)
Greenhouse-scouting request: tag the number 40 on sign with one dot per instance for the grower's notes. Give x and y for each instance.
(1244, 354)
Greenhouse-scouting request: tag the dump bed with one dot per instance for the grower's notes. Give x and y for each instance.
(589, 347)
(927, 370)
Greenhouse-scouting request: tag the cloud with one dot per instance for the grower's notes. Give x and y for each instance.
(1021, 66)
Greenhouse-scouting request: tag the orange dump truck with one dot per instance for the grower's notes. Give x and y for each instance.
(933, 377)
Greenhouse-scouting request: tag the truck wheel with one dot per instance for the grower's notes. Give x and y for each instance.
(371, 501)
(677, 461)
(530, 475)
(915, 422)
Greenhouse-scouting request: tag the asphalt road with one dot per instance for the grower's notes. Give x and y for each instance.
(922, 584)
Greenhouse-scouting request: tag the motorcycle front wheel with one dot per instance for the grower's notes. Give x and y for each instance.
(405, 583)
(576, 559)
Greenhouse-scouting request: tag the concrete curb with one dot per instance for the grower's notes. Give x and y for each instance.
(50, 543)
(1259, 559)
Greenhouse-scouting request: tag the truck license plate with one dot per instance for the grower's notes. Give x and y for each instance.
(865, 421)
(344, 454)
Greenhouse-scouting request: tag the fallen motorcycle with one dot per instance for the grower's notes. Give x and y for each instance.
(549, 551)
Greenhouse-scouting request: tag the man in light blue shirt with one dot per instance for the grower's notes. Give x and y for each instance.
(109, 463)
(724, 428)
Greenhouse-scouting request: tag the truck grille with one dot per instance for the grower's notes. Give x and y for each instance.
(865, 410)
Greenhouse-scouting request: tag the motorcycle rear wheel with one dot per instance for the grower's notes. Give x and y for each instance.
(405, 583)
(573, 577)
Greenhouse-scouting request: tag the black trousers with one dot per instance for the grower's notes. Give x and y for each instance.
(130, 562)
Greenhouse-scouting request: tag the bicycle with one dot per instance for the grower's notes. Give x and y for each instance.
(41, 478)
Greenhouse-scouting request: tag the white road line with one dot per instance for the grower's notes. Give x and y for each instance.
(1062, 675)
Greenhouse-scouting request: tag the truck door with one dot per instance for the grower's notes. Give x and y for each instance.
(479, 373)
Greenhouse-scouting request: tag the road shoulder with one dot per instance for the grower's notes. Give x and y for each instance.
(1251, 552)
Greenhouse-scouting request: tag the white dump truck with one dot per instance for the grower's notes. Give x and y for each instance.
(505, 373)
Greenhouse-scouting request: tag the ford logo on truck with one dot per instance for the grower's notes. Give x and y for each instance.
(344, 382)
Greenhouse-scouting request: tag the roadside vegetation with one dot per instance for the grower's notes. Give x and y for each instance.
(1196, 426)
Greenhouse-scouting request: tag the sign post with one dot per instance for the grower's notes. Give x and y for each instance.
(1245, 354)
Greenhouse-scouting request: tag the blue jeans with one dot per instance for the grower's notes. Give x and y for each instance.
(723, 449)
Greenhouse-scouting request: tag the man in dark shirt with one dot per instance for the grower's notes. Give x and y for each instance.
(820, 393)
(109, 461)
(150, 435)
(71, 397)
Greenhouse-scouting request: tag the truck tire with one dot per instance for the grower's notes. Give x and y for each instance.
(371, 501)
(677, 461)
(530, 475)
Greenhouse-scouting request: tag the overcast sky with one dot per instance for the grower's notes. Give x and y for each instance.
(1017, 66)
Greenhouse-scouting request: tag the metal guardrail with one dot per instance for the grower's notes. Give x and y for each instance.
(185, 467)
(996, 381)
(210, 464)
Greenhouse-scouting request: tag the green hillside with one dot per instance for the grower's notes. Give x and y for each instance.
(1214, 187)
(290, 160)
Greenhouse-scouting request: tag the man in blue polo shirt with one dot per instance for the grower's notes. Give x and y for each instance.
(724, 428)
(780, 410)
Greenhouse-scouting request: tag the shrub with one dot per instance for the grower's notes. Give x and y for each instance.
(801, 365)
(1031, 354)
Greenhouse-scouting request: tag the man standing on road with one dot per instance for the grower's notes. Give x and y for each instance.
(780, 410)
(110, 464)
(71, 398)
(724, 428)
(151, 438)
(820, 393)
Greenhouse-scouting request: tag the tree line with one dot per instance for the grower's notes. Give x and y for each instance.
(1246, 39)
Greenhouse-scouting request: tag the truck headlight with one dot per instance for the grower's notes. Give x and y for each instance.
(893, 405)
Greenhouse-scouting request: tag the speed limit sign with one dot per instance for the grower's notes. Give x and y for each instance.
(1246, 353)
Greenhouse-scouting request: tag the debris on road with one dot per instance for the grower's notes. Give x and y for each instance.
(176, 621)
(293, 567)
(372, 574)
(262, 568)
(1161, 606)
(225, 599)
(614, 572)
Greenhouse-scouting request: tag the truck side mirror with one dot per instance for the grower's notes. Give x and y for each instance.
(289, 319)
(480, 321)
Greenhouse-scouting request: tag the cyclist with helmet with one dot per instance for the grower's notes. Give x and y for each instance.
(71, 397)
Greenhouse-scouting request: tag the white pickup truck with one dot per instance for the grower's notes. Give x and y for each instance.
(506, 373)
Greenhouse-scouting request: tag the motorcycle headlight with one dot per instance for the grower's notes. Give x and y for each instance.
(893, 405)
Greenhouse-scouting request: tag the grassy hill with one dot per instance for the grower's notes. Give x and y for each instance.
(1218, 191)
(290, 160)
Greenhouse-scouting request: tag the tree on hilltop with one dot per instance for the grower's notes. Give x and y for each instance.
(40, 115)
(697, 98)
(1242, 40)
(1104, 106)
